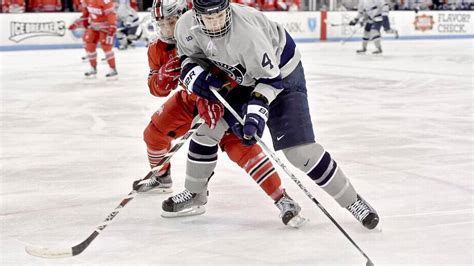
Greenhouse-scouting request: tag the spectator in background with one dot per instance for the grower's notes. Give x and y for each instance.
(13, 6)
(278, 5)
(67, 5)
(288, 5)
(266, 5)
(76, 5)
(44, 5)
(251, 3)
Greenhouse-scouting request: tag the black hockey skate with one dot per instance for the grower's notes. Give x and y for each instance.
(185, 203)
(361, 51)
(92, 73)
(289, 211)
(364, 213)
(112, 75)
(160, 184)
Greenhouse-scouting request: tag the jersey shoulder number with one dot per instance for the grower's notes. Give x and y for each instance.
(266, 61)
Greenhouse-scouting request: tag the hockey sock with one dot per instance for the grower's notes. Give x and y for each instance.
(323, 170)
(154, 157)
(110, 57)
(92, 59)
(377, 43)
(255, 163)
(260, 168)
(91, 54)
(201, 162)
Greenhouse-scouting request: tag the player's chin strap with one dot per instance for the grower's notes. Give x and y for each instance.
(270, 153)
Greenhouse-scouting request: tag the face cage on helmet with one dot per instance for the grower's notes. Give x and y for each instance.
(160, 34)
(216, 34)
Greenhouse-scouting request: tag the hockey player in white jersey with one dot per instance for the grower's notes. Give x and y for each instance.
(262, 57)
(372, 11)
(386, 21)
(128, 28)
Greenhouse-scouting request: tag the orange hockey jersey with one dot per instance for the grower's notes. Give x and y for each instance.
(251, 3)
(159, 53)
(44, 5)
(101, 13)
(13, 6)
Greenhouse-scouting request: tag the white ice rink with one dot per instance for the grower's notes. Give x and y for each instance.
(400, 125)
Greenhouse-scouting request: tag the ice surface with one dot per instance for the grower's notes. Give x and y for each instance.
(400, 125)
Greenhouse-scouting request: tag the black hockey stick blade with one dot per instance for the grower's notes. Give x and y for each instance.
(53, 253)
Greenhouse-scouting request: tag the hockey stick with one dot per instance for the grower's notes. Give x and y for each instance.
(343, 41)
(79, 248)
(269, 152)
(337, 24)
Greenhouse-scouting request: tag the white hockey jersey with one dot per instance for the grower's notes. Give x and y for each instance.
(372, 9)
(254, 49)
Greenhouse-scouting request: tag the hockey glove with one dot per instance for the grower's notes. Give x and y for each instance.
(80, 22)
(200, 81)
(109, 39)
(353, 22)
(168, 75)
(210, 111)
(256, 115)
(72, 26)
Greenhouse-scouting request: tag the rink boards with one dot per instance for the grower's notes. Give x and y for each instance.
(33, 31)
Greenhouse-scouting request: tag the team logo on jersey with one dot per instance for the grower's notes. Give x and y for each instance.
(312, 24)
(160, 110)
(423, 23)
(20, 31)
(236, 72)
(211, 48)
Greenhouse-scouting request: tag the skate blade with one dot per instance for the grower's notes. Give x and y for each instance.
(161, 190)
(91, 77)
(197, 210)
(297, 221)
(112, 78)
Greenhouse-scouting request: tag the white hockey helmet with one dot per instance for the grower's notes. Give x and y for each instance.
(165, 13)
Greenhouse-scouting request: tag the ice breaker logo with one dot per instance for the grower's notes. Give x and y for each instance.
(423, 23)
(20, 31)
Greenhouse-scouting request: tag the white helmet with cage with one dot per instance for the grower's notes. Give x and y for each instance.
(165, 14)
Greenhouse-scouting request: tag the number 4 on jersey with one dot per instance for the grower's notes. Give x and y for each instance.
(266, 61)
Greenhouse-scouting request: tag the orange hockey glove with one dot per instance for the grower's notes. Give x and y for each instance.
(168, 74)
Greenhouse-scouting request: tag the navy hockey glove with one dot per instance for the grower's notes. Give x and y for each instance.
(353, 22)
(200, 81)
(256, 115)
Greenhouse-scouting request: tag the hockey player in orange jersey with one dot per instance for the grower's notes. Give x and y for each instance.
(175, 116)
(99, 19)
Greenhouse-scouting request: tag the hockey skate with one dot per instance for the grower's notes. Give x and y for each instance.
(185, 203)
(396, 34)
(364, 213)
(112, 75)
(159, 184)
(378, 51)
(91, 74)
(289, 211)
(361, 51)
